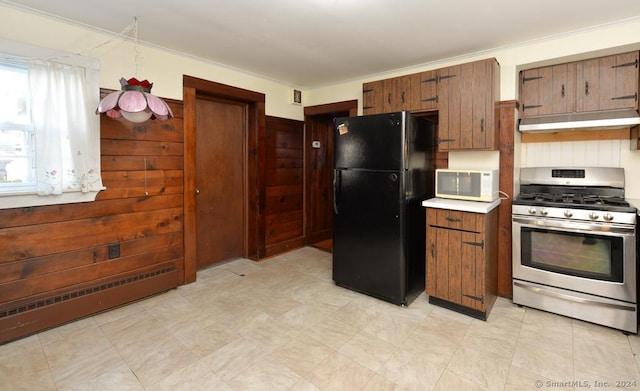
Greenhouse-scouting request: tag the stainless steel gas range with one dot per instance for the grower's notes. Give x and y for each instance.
(574, 245)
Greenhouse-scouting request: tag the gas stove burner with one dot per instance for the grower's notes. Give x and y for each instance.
(595, 189)
(575, 202)
(601, 200)
(574, 199)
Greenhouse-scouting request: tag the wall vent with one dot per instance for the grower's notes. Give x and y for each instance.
(5, 312)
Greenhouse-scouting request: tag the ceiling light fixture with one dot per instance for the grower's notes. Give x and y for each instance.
(134, 101)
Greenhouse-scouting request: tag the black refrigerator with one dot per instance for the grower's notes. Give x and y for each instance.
(383, 170)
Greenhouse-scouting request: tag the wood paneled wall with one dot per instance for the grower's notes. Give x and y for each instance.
(284, 186)
(54, 260)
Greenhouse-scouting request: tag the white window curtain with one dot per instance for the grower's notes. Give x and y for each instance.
(67, 140)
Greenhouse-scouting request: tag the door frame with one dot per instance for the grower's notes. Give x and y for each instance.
(344, 108)
(254, 225)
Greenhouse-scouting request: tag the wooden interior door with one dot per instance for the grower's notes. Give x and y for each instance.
(220, 180)
(318, 122)
(320, 180)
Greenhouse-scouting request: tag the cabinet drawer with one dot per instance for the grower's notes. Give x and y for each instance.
(453, 219)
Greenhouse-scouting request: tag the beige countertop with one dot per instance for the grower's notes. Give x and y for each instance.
(464, 206)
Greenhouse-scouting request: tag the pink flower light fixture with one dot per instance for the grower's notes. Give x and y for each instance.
(134, 102)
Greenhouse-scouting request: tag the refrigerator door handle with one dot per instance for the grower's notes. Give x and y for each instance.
(337, 183)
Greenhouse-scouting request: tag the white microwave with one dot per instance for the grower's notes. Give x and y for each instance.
(470, 185)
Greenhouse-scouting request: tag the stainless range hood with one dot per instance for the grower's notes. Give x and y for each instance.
(595, 120)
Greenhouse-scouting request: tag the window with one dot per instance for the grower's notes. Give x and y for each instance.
(49, 132)
(17, 144)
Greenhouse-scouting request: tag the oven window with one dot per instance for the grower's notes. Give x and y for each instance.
(583, 255)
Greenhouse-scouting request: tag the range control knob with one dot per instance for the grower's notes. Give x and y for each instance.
(608, 217)
(568, 213)
(533, 211)
(544, 212)
(593, 216)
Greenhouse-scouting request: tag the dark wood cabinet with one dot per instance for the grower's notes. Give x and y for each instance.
(467, 98)
(603, 83)
(397, 94)
(428, 97)
(548, 90)
(607, 83)
(391, 95)
(461, 260)
(373, 97)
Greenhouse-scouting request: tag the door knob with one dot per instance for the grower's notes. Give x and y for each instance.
(197, 191)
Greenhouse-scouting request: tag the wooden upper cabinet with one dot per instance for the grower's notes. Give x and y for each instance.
(396, 92)
(373, 97)
(467, 97)
(414, 103)
(607, 83)
(402, 93)
(428, 97)
(414, 92)
(548, 90)
(604, 83)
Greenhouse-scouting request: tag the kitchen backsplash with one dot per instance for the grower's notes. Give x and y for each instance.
(603, 153)
(572, 153)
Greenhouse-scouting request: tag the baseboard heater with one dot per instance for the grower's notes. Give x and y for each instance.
(27, 317)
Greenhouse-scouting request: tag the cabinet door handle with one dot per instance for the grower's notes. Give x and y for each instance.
(477, 244)
(563, 90)
(434, 99)
(453, 220)
(482, 125)
(526, 79)
(634, 97)
(627, 64)
(402, 96)
(433, 250)
(389, 98)
(586, 88)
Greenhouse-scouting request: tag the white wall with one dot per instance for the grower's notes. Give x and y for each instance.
(596, 41)
(117, 59)
(165, 70)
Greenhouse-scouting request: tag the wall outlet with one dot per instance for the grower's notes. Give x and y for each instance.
(114, 250)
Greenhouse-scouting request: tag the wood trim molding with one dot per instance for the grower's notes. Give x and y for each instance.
(344, 108)
(349, 105)
(577, 135)
(190, 229)
(255, 225)
(506, 115)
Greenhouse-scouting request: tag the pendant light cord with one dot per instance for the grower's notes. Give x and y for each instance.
(135, 45)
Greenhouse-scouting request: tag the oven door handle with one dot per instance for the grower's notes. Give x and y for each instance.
(569, 226)
(575, 299)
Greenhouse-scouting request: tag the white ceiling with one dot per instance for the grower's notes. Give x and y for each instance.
(310, 43)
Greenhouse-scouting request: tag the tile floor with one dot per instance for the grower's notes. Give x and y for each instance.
(283, 325)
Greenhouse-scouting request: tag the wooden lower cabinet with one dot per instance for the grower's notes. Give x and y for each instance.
(461, 256)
